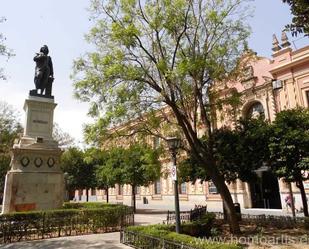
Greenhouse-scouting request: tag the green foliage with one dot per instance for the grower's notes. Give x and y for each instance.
(63, 138)
(108, 167)
(136, 165)
(165, 232)
(201, 227)
(300, 11)
(164, 57)
(237, 152)
(55, 223)
(289, 144)
(9, 130)
(152, 53)
(87, 205)
(4, 50)
(289, 148)
(141, 165)
(80, 174)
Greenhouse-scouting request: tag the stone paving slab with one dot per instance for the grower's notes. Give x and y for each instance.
(93, 241)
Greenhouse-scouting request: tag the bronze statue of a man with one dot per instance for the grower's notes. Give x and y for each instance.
(44, 73)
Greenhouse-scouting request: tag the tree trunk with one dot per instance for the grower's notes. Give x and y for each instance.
(224, 192)
(205, 156)
(106, 192)
(87, 194)
(292, 200)
(301, 187)
(228, 204)
(134, 198)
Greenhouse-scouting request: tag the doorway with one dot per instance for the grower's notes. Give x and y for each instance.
(265, 191)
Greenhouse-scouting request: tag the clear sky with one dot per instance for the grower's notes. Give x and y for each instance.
(61, 24)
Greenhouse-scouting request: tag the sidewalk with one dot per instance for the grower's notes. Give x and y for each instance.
(93, 241)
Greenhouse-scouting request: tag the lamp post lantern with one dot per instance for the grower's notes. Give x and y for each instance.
(173, 144)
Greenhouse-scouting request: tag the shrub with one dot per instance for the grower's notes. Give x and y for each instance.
(166, 232)
(201, 227)
(62, 222)
(81, 205)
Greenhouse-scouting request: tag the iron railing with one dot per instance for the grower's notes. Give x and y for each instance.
(191, 215)
(142, 241)
(279, 221)
(44, 225)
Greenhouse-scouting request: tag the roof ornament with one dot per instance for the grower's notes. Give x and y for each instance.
(285, 41)
(276, 46)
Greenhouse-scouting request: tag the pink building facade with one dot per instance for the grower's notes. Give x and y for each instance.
(270, 86)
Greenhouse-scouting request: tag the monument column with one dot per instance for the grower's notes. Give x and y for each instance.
(35, 180)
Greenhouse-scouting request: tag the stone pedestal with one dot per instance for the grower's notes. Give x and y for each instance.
(35, 180)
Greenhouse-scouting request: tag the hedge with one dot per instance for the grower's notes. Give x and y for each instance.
(142, 238)
(64, 222)
(83, 205)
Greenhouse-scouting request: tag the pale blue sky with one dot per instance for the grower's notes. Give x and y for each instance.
(61, 24)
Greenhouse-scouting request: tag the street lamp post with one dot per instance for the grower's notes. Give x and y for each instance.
(173, 145)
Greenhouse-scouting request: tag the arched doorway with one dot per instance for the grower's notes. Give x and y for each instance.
(254, 110)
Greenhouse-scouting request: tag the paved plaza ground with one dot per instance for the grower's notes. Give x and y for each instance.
(93, 241)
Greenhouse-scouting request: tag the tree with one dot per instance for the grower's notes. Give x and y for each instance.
(9, 131)
(4, 50)
(140, 167)
(107, 171)
(162, 57)
(238, 152)
(289, 148)
(80, 174)
(300, 21)
(63, 138)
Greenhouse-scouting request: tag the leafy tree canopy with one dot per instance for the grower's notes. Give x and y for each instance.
(4, 50)
(152, 53)
(141, 165)
(290, 143)
(289, 148)
(80, 173)
(237, 152)
(9, 131)
(300, 21)
(63, 138)
(107, 167)
(158, 53)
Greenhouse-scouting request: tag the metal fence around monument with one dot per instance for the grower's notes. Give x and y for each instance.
(42, 226)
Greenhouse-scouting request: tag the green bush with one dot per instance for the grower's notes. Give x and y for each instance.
(201, 227)
(62, 222)
(166, 232)
(81, 205)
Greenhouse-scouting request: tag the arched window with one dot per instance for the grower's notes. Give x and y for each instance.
(255, 110)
